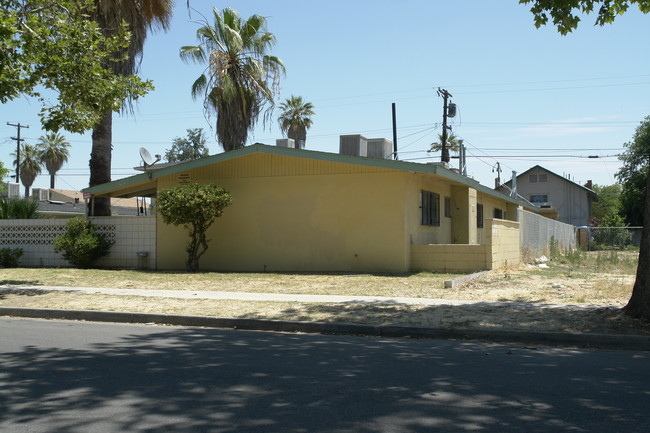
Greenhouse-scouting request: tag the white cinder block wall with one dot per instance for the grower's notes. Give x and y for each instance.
(134, 248)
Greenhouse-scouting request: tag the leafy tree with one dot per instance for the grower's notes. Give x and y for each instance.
(607, 205)
(53, 153)
(51, 44)
(187, 149)
(3, 172)
(566, 21)
(240, 78)
(295, 119)
(30, 165)
(139, 16)
(564, 16)
(195, 207)
(634, 173)
(81, 244)
(453, 143)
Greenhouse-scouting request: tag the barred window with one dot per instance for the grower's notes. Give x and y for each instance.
(448, 207)
(430, 208)
(479, 216)
(498, 213)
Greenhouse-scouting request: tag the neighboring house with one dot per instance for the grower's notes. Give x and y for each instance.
(59, 203)
(302, 210)
(557, 197)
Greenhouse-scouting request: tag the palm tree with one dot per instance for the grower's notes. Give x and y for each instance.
(140, 16)
(53, 153)
(295, 119)
(30, 165)
(453, 143)
(240, 78)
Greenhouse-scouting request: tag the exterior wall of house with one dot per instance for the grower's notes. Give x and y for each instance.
(490, 205)
(300, 214)
(501, 248)
(572, 202)
(297, 214)
(426, 234)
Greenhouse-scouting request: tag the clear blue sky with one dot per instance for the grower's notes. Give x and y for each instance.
(526, 96)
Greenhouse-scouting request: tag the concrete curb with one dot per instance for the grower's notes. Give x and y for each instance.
(459, 281)
(597, 341)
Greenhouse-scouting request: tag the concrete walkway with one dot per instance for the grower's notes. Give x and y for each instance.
(282, 297)
(616, 342)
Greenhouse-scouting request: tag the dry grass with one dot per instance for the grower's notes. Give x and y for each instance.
(602, 279)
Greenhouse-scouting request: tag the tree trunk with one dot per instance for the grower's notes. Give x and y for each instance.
(51, 181)
(639, 304)
(100, 161)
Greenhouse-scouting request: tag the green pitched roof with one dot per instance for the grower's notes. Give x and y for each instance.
(106, 188)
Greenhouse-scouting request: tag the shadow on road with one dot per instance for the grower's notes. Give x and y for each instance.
(206, 380)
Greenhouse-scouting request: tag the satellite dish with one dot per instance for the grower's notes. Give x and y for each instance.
(146, 157)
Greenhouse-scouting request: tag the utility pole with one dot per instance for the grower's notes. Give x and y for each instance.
(444, 157)
(18, 140)
(394, 133)
(497, 181)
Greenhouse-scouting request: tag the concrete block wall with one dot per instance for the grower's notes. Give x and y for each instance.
(135, 241)
(132, 235)
(502, 237)
(450, 258)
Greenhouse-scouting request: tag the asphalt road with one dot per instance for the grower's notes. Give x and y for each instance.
(65, 377)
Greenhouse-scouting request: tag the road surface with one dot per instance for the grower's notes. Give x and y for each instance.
(66, 377)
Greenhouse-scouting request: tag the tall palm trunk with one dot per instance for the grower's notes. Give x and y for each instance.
(100, 163)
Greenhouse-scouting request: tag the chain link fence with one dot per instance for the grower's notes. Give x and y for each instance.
(609, 238)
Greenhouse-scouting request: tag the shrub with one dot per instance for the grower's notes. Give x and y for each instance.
(25, 208)
(81, 244)
(9, 257)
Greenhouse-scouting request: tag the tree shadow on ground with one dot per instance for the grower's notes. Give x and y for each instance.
(114, 378)
(519, 316)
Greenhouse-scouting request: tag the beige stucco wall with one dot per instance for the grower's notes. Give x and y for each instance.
(300, 214)
(284, 220)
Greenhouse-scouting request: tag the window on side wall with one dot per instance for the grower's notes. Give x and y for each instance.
(448, 207)
(479, 216)
(498, 213)
(430, 208)
(539, 198)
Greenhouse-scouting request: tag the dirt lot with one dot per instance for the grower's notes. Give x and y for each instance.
(578, 292)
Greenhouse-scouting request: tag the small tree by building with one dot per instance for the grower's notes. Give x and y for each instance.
(195, 207)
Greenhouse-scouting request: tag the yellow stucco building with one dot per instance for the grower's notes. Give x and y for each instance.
(301, 210)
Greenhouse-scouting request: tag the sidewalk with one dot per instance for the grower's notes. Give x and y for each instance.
(602, 341)
(281, 297)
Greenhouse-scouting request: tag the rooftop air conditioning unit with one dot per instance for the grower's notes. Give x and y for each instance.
(40, 194)
(285, 142)
(353, 145)
(380, 148)
(439, 164)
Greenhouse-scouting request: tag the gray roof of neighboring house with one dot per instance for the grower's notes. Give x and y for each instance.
(106, 188)
(587, 190)
(61, 208)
